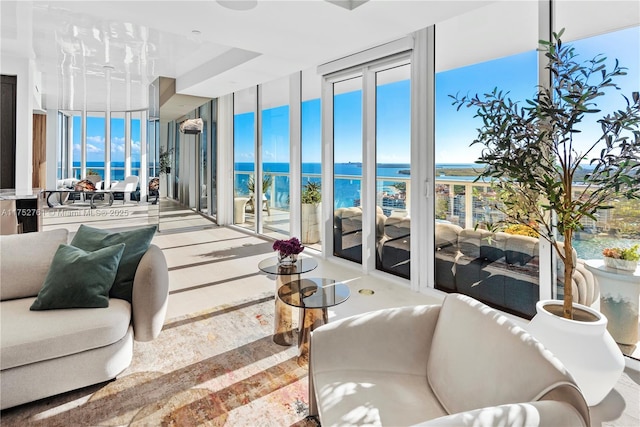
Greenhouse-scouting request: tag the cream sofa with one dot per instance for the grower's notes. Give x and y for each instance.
(43, 353)
(456, 364)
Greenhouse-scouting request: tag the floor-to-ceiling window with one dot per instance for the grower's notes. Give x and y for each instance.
(311, 150)
(203, 161)
(470, 256)
(347, 168)
(592, 35)
(118, 143)
(83, 155)
(176, 170)
(274, 134)
(244, 150)
(372, 103)
(63, 152)
(95, 137)
(135, 122)
(75, 135)
(213, 202)
(393, 169)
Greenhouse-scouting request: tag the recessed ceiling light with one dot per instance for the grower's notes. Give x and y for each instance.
(195, 32)
(238, 4)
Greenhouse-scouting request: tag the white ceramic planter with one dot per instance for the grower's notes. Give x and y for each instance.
(585, 348)
(620, 264)
(311, 215)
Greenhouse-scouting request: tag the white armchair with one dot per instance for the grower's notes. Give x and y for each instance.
(127, 186)
(458, 364)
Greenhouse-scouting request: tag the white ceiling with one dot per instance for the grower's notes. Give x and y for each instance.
(212, 50)
(72, 41)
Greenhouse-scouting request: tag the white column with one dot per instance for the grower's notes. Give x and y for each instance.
(368, 184)
(257, 137)
(422, 149)
(327, 167)
(225, 177)
(295, 153)
(144, 173)
(107, 133)
(548, 261)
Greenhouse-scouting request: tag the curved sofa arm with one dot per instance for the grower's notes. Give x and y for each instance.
(531, 414)
(150, 295)
(393, 340)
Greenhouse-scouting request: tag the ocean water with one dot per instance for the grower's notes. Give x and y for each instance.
(117, 169)
(346, 186)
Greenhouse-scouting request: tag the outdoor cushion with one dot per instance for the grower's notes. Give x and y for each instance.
(79, 279)
(137, 242)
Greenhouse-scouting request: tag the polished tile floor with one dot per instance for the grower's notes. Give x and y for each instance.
(210, 266)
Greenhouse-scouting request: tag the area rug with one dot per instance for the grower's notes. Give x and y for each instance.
(213, 368)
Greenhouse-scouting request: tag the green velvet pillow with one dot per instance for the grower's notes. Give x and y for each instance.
(79, 279)
(137, 242)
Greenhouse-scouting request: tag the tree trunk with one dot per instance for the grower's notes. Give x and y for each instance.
(569, 267)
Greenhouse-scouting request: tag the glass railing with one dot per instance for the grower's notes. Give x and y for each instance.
(464, 203)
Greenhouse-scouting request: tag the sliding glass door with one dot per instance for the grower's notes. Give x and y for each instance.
(371, 130)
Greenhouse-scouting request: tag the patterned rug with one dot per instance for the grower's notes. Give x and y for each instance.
(213, 368)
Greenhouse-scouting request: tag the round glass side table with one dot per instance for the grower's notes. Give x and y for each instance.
(282, 322)
(313, 297)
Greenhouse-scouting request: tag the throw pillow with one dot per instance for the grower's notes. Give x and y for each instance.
(85, 185)
(137, 242)
(79, 279)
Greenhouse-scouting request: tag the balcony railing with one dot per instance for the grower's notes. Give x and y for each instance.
(467, 204)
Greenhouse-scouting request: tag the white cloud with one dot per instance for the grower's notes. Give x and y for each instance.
(135, 146)
(95, 139)
(93, 149)
(268, 155)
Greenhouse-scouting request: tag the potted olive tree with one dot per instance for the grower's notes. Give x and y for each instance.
(311, 212)
(531, 154)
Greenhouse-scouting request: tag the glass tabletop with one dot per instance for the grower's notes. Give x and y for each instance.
(302, 265)
(313, 293)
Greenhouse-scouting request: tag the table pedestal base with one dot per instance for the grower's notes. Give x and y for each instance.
(283, 326)
(283, 320)
(310, 318)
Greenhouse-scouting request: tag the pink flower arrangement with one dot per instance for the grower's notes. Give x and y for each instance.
(288, 247)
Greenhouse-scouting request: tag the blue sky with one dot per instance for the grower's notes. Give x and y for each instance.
(454, 129)
(96, 138)
(518, 74)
